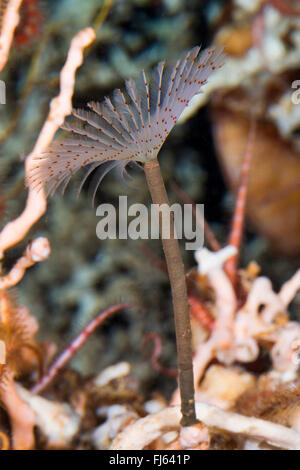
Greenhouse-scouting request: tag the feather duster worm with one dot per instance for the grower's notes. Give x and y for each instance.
(132, 127)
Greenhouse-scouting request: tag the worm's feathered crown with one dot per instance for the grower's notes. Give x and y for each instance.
(130, 126)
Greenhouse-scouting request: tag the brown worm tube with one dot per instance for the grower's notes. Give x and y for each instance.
(179, 295)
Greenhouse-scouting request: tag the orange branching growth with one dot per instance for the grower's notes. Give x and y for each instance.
(4, 441)
(17, 331)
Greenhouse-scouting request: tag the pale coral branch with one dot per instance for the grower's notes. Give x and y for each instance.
(58, 422)
(16, 230)
(10, 21)
(290, 289)
(121, 369)
(38, 250)
(22, 418)
(195, 437)
(221, 340)
(60, 107)
(144, 431)
(2, 352)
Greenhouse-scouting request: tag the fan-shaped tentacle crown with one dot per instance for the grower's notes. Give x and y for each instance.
(129, 126)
